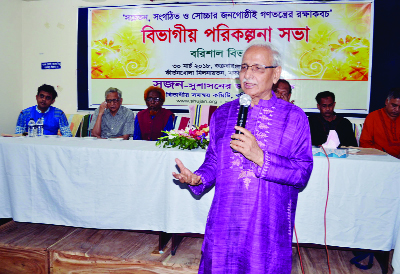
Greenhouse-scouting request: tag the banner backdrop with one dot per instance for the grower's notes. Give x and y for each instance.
(194, 51)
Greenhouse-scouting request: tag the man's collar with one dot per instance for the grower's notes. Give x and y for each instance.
(270, 102)
(38, 110)
(387, 115)
(322, 117)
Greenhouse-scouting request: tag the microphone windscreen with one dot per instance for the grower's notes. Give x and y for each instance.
(245, 100)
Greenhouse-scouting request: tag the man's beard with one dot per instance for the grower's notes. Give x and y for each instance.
(153, 112)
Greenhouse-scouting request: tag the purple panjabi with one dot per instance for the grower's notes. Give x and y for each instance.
(250, 223)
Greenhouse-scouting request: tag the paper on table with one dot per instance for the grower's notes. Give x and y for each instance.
(369, 151)
(10, 135)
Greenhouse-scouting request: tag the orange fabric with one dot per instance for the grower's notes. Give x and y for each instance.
(381, 132)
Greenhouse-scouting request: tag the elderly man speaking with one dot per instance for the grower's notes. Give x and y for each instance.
(250, 223)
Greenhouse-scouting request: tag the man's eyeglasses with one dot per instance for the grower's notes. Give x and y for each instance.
(151, 99)
(109, 101)
(256, 68)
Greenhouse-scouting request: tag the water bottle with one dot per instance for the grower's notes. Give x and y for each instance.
(31, 128)
(39, 127)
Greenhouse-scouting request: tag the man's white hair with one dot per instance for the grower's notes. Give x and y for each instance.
(276, 56)
(111, 90)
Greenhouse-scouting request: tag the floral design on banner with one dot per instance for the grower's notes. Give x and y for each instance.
(337, 52)
(120, 55)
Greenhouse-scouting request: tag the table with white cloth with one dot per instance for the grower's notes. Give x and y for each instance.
(110, 184)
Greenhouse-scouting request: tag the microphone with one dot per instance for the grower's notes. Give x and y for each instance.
(245, 101)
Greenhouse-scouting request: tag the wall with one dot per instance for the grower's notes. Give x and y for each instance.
(10, 64)
(50, 30)
(49, 34)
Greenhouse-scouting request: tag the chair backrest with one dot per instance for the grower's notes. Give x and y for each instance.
(74, 121)
(181, 121)
(201, 114)
(84, 125)
(357, 124)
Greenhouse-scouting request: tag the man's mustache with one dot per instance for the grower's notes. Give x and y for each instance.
(248, 81)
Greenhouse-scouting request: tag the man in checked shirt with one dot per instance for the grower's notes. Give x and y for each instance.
(111, 120)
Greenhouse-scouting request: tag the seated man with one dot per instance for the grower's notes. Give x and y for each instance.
(111, 120)
(327, 119)
(381, 128)
(151, 121)
(54, 119)
(283, 90)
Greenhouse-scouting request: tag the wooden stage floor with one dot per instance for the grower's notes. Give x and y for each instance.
(38, 248)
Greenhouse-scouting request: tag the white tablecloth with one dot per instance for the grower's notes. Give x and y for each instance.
(128, 185)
